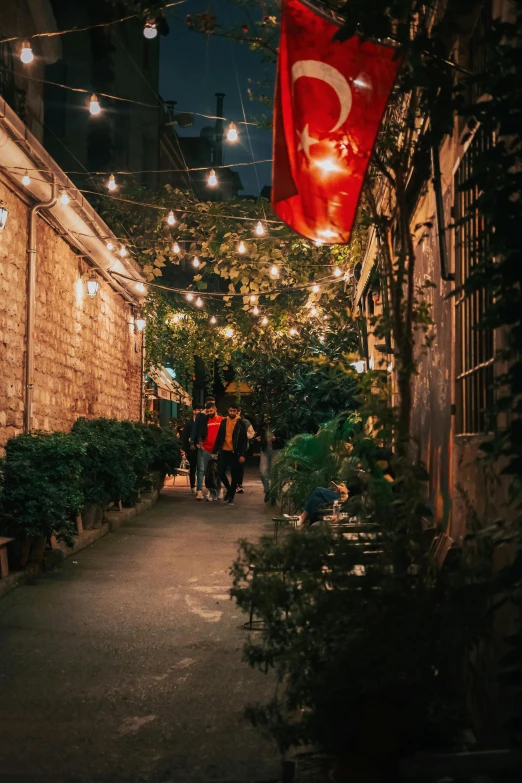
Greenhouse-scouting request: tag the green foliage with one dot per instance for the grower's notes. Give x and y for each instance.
(358, 642)
(310, 461)
(41, 492)
(120, 455)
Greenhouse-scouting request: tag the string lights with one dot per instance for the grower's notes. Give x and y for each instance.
(264, 321)
(241, 247)
(337, 272)
(94, 105)
(260, 229)
(176, 248)
(232, 132)
(110, 245)
(199, 302)
(274, 271)
(212, 179)
(196, 262)
(316, 289)
(26, 53)
(150, 31)
(213, 320)
(171, 218)
(111, 184)
(229, 332)
(123, 251)
(64, 198)
(190, 297)
(256, 310)
(26, 180)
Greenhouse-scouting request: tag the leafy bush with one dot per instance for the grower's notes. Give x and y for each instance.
(163, 448)
(42, 488)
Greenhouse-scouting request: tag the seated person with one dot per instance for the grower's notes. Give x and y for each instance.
(319, 497)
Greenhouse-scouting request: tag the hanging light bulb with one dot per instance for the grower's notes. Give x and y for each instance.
(253, 298)
(110, 246)
(199, 302)
(313, 311)
(141, 288)
(229, 332)
(241, 247)
(141, 323)
(190, 297)
(256, 310)
(171, 218)
(260, 230)
(150, 30)
(315, 289)
(94, 105)
(175, 319)
(293, 332)
(212, 179)
(264, 321)
(26, 180)
(337, 272)
(123, 251)
(111, 184)
(26, 54)
(321, 339)
(213, 320)
(232, 132)
(64, 197)
(196, 262)
(274, 271)
(175, 248)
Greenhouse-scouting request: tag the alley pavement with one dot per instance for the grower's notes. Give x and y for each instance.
(124, 663)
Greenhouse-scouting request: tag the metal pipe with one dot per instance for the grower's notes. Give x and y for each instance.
(142, 377)
(31, 306)
(439, 203)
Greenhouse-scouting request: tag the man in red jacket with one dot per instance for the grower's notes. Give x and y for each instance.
(206, 439)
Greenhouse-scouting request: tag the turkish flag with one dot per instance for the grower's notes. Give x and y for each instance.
(330, 99)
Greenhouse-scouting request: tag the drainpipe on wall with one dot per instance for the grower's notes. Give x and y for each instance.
(31, 306)
(142, 378)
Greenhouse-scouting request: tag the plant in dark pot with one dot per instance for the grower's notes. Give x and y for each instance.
(41, 490)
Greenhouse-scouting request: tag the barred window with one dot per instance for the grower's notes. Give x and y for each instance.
(474, 344)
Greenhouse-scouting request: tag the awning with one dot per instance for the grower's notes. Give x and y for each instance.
(168, 388)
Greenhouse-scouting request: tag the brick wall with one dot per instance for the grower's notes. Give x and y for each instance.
(87, 357)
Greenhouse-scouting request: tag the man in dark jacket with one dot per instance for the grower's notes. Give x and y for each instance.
(231, 446)
(188, 445)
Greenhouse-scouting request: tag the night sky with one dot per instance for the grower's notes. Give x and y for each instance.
(194, 67)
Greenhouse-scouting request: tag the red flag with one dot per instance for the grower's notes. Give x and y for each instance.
(330, 99)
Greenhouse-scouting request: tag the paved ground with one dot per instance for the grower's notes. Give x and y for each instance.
(124, 664)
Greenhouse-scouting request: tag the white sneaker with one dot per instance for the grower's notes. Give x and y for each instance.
(199, 495)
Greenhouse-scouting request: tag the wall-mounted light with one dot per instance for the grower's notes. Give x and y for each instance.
(4, 212)
(141, 323)
(92, 285)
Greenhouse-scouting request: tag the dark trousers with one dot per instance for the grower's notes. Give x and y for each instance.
(192, 457)
(229, 461)
(241, 474)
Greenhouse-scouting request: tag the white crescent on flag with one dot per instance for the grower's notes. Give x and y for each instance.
(316, 69)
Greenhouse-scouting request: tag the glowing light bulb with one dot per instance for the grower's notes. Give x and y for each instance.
(26, 180)
(199, 302)
(64, 198)
(274, 271)
(321, 339)
(175, 319)
(313, 311)
(111, 184)
(337, 272)
(123, 251)
(190, 297)
(256, 310)
(92, 286)
(140, 287)
(94, 105)
(110, 246)
(229, 332)
(141, 324)
(175, 248)
(212, 179)
(150, 30)
(264, 321)
(26, 54)
(260, 230)
(171, 218)
(232, 132)
(327, 165)
(253, 298)
(196, 262)
(241, 247)
(213, 320)
(293, 332)
(315, 289)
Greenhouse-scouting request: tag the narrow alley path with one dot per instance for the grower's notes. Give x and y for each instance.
(124, 664)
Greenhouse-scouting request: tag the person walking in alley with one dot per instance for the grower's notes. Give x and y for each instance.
(188, 446)
(231, 446)
(250, 434)
(206, 431)
(267, 442)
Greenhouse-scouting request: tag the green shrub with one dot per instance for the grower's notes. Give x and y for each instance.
(42, 490)
(163, 448)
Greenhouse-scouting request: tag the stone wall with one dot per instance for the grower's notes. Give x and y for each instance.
(87, 356)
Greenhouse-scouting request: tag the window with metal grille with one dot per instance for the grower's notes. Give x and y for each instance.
(474, 343)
